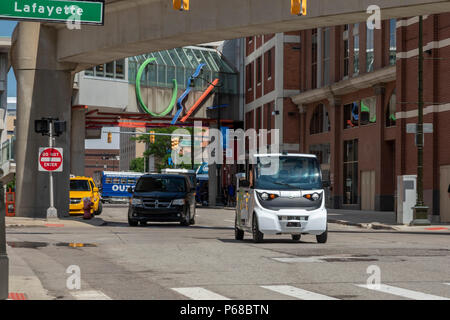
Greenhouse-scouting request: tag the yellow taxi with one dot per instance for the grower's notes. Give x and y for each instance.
(80, 188)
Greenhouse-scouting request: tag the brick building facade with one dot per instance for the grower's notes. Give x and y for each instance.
(98, 160)
(346, 94)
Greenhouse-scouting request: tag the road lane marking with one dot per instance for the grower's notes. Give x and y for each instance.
(410, 294)
(198, 293)
(298, 293)
(448, 283)
(90, 295)
(229, 221)
(298, 259)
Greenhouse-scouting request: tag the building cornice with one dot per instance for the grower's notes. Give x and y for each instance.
(367, 80)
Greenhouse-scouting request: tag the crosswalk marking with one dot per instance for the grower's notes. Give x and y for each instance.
(298, 293)
(402, 292)
(448, 283)
(90, 295)
(198, 293)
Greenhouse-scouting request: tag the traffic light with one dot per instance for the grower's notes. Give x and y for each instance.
(298, 7)
(175, 143)
(152, 137)
(109, 137)
(182, 5)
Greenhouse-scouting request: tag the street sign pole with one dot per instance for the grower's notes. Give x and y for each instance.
(52, 212)
(420, 209)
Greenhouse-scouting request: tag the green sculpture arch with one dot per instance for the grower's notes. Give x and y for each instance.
(139, 95)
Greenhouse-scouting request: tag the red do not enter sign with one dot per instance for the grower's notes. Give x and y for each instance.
(51, 159)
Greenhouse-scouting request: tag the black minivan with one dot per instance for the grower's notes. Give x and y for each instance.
(162, 198)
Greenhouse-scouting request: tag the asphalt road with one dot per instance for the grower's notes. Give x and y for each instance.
(168, 261)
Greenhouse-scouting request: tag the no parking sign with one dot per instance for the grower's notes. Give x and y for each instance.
(51, 159)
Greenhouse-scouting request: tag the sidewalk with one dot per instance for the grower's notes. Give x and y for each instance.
(379, 220)
(23, 282)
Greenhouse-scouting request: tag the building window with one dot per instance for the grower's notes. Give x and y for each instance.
(351, 172)
(249, 77)
(351, 115)
(356, 49)
(109, 67)
(346, 50)
(319, 122)
(369, 49)
(120, 69)
(392, 41)
(269, 64)
(368, 110)
(391, 110)
(114, 69)
(326, 57)
(258, 69)
(100, 70)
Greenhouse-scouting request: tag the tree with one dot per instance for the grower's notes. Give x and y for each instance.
(161, 149)
(137, 165)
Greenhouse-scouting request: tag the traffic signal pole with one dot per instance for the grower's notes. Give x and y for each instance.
(52, 212)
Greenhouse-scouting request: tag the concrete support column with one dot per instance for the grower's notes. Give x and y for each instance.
(44, 89)
(77, 137)
(384, 201)
(336, 169)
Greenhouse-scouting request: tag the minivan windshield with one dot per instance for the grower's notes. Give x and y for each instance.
(287, 173)
(79, 185)
(162, 184)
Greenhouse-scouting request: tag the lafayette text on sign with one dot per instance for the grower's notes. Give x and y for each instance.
(86, 12)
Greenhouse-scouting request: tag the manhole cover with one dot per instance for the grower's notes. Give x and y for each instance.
(75, 245)
(26, 244)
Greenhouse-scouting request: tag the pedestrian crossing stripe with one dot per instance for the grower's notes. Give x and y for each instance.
(90, 295)
(198, 293)
(410, 294)
(298, 293)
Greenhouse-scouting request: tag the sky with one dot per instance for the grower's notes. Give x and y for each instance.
(6, 30)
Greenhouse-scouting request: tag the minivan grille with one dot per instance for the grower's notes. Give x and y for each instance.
(155, 203)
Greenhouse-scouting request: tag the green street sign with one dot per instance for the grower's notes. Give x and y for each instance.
(84, 12)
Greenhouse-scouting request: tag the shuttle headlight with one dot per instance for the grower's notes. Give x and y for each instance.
(312, 196)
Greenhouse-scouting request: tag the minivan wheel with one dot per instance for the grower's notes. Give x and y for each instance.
(238, 233)
(258, 236)
(132, 223)
(296, 237)
(322, 238)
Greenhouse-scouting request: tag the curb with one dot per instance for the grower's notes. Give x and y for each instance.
(373, 225)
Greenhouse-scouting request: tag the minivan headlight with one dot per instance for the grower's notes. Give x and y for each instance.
(136, 201)
(178, 202)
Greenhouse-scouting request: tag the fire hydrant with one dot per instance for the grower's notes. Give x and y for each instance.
(87, 207)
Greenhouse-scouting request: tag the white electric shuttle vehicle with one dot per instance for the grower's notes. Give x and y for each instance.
(282, 194)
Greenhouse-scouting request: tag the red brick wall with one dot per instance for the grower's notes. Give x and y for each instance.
(250, 45)
(292, 72)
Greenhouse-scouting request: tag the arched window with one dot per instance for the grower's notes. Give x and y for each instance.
(391, 110)
(319, 121)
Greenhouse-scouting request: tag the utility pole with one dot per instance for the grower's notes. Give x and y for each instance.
(420, 209)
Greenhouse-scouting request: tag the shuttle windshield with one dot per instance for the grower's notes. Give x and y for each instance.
(287, 173)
